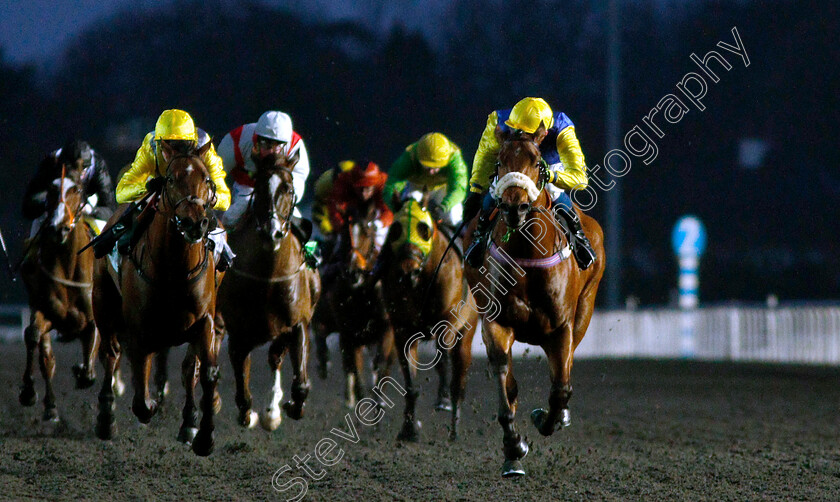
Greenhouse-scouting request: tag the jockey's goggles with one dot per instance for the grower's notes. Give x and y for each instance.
(268, 143)
(179, 146)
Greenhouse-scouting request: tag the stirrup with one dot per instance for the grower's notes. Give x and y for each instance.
(583, 252)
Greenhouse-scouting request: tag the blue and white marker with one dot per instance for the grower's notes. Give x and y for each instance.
(689, 241)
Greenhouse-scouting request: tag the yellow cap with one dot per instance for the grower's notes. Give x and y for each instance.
(175, 125)
(529, 113)
(434, 150)
(346, 165)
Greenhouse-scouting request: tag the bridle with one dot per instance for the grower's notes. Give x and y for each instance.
(530, 206)
(542, 180)
(365, 259)
(62, 200)
(165, 204)
(166, 198)
(285, 220)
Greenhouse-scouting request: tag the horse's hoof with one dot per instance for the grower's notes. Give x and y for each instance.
(50, 415)
(410, 432)
(83, 379)
(538, 418)
(270, 420)
(144, 414)
(203, 443)
(540, 415)
(187, 435)
(106, 428)
(294, 411)
(443, 404)
(249, 419)
(28, 396)
(217, 403)
(512, 468)
(453, 435)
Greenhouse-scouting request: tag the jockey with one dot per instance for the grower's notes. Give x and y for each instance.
(323, 192)
(364, 183)
(436, 163)
(95, 180)
(271, 134)
(555, 135)
(174, 133)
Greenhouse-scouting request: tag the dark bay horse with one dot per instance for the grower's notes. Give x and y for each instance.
(58, 282)
(353, 307)
(543, 297)
(164, 295)
(269, 294)
(449, 316)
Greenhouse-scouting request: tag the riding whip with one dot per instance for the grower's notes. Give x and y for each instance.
(8, 259)
(437, 269)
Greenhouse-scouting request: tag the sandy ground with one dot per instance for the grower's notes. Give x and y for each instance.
(641, 430)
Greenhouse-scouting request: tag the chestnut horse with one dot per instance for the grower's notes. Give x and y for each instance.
(543, 298)
(269, 294)
(163, 295)
(449, 317)
(59, 283)
(355, 308)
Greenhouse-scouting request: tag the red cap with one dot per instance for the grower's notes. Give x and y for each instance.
(366, 175)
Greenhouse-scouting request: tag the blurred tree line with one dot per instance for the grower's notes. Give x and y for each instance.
(356, 93)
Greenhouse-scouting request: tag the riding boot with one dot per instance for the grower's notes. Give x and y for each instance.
(225, 258)
(474, 255)
(581, 247)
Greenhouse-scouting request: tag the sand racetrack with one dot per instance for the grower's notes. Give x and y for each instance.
(641, 430)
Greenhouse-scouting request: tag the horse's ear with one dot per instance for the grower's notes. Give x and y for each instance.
(396, 203)
(501, 135)
(204, 148)
(424, 199)
(292, 160)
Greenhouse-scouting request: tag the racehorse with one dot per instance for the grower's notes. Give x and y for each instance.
(269, 294)
(353, 307)
(163, 295)
(543, 297)
(59, 285)
(422, 304)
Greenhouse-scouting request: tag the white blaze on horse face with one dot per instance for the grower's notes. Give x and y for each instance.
(61, 209)
(272, 418)
(273, 185)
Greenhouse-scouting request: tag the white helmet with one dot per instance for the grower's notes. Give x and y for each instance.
(275, 125)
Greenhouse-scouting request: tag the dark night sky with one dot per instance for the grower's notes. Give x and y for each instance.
(34, 31)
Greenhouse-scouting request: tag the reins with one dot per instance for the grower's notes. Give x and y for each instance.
(195, 273)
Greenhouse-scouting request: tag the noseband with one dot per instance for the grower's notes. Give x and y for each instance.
(521, 180)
